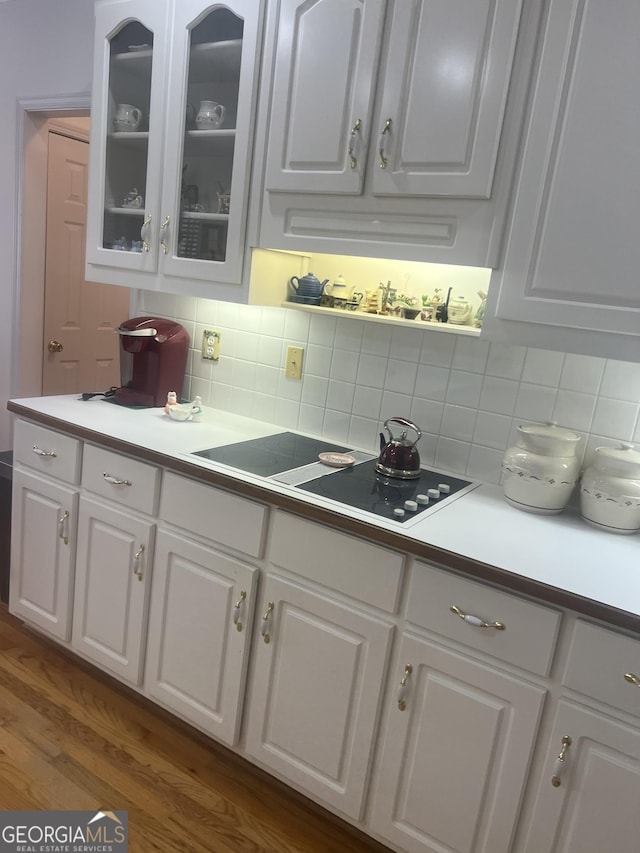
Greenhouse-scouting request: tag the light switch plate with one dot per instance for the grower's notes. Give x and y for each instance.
(293, 369)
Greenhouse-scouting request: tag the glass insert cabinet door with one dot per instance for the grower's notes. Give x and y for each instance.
(178, 102)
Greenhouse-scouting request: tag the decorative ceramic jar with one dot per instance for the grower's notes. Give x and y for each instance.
(339, 288)
(459, 311)
(610, 489)
(540, 472)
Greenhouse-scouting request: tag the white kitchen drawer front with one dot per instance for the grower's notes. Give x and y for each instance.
(364, 571)
(47, 451)
(121, 479)
(509, 628)
(604, 665)
(214, 514)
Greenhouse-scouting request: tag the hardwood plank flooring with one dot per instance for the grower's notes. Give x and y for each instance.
(73, 738)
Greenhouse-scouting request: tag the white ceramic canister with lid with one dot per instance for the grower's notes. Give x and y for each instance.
(610, 489)
(541, 471)
(459, 311)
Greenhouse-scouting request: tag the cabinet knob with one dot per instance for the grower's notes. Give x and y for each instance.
(144, 233)
(632, 678)
(115, 481)
(266, 621)
(560, 764)
(61, 527)
(353, 162)
(237, 610)
(40, 452)
(383, 144)
(163, 229)
(476, 621)
(404, 687)
(137, 563)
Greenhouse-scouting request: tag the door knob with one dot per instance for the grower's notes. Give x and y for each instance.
(54, 346)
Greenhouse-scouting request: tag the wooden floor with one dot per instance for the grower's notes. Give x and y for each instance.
(71, 738)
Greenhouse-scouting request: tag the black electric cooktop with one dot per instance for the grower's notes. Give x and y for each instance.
(272, 454)
(363, 488)
(359, 486)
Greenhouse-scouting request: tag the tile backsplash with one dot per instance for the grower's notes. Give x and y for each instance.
(468, 396)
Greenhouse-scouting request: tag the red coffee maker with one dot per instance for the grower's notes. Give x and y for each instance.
(153, 358)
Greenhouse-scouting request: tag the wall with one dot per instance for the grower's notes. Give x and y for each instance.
(467, 395)
(46, 49)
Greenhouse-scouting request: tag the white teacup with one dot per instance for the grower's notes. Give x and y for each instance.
(210, 115)
(127, 117)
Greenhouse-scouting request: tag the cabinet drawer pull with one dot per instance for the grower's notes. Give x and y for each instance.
(114, 481)
(266, 620)
(237, 610)
(560, 764)
(404, 687)
(61, 534)
(163, 228)
(40, 452)
(144, 230)
(476, 621)
(632, 678)
(353, 162)
(137, 562)
(383, 144)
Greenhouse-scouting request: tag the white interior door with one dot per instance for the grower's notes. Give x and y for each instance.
(80, 349)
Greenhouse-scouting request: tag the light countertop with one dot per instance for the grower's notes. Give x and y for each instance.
(557, 557)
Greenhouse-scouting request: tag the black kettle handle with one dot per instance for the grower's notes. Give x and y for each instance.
(404, 423)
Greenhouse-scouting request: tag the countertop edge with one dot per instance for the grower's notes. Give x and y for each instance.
(444, 558)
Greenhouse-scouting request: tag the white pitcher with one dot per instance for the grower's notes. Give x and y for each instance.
(127, 118)
(210, 115)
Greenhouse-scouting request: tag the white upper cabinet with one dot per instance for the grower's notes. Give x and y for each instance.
(324, 85)
(388, 126)
(570, 275)
(172, 122)
(443, 95)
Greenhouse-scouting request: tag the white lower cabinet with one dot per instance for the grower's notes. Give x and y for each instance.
(455, 752)
(439, 753)
(43, 547)
(587, 796)
(200, 621)
(113, 568)
(588, 801)
(319, 666)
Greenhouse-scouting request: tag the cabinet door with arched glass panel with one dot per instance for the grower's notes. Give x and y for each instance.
(210, 108)
(127, 118)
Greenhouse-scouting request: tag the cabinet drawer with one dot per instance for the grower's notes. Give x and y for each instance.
(366, 572)
(597, 664)
(47, 451)
(214, 514)
(528, 639)
(121, 479)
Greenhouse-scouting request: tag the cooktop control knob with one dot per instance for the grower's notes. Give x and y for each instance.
(398, 512)
(444, 488)
(410, 506)
(423, 500)
(433, 493)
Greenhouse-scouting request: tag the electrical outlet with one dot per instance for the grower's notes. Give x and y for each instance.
(211, 344)
(294, 362)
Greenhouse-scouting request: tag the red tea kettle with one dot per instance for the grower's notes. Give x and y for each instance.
(399, 457)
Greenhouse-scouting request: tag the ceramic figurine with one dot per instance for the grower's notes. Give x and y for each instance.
(172, 400)
(196, 410)
(479, 315)
(372, 302)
